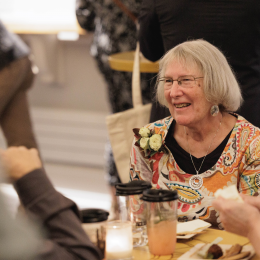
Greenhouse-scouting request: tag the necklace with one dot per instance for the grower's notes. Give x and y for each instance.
(196, 181)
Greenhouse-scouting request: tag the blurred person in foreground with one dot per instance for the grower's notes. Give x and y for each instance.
(55, 214)
(16, 77)
(231, 26)
(241, 218)
(19, 239)
(203, 145)
(114, 32)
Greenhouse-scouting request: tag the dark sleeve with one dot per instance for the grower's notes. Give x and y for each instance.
(59, 217)
(151, 43)
(86, 13)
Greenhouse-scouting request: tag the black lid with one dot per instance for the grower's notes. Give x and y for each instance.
(159, 195)
(132, 188)
(93, 215)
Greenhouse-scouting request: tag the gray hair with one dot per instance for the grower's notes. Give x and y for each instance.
(220, 85)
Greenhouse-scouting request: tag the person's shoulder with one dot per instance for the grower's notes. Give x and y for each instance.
(161, 126)
(165, 122)
(243, 125)
(243, 122)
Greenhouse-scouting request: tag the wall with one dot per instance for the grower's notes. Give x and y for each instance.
(68, 76)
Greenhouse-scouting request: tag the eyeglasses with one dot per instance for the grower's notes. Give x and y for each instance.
(184, 81)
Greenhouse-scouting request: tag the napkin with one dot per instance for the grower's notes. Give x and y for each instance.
(192, 226)
(229, 193)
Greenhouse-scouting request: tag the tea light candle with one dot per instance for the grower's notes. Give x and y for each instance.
(119, 240)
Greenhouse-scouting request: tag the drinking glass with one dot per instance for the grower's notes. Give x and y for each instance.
(119, 240)
(161, 220)
(133, 209)
(93, 224)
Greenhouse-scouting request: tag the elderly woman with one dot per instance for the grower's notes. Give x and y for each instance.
(202, 146)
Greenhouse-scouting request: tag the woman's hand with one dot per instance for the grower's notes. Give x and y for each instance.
(253, 201)
(18, 161)
(239, 218)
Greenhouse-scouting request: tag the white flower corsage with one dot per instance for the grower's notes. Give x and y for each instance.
(151, 143)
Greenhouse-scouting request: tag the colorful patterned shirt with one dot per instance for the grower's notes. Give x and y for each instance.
(238, 164)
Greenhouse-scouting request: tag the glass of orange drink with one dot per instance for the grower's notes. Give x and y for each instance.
(161, 220)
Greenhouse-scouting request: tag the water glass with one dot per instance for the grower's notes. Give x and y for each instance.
(133, 209)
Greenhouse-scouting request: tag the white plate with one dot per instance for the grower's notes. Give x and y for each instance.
(186, 236)
(190, 228)
(190, 254)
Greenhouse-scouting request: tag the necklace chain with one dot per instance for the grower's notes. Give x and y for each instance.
(197, 171)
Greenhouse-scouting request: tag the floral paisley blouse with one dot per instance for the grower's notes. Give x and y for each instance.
(238, 164)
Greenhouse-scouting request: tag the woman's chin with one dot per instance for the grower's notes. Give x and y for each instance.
(180, 120)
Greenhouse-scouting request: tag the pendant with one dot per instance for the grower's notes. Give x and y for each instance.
(196, 182)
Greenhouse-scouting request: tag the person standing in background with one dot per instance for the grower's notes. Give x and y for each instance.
(16, 77)
(232, 26)
(114, 31)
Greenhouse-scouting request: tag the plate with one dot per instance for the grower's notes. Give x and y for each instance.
(188, 236)
(190, 254)
(191, 228)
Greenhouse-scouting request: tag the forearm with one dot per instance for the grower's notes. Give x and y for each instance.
(58, 215)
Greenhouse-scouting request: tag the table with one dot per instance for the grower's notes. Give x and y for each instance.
(41, 27)
(44, 29)
(123, 61)
(184, 245)
(40, 17)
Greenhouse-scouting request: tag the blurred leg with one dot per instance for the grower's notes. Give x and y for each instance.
(16, 123)
(15, 120)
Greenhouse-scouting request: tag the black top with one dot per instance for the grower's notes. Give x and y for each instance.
(183, 159)
(232, 26)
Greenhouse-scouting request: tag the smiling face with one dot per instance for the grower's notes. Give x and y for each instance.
(188, 106)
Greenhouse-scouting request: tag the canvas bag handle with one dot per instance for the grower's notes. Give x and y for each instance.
(136, 86)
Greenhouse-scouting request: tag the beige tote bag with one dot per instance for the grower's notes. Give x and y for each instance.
(120, 125)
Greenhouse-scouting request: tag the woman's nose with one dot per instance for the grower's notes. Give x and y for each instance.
(175, 89)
